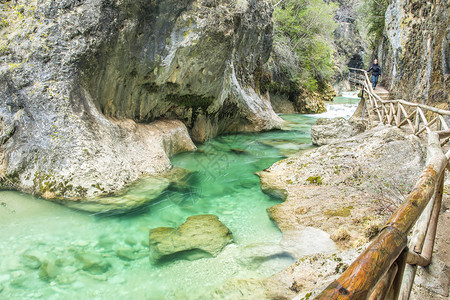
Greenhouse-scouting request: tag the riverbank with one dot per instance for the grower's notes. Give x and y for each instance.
(349, 191)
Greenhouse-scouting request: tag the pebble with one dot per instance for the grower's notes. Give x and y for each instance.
(17, 274)
(65, 260)
(78, 285)
(30, 260)
(130, 241)
(145, 243)
(105, 242)
(48, 271)
(126, 253)
(4, 277)
(22, 281)
(117, 280)
(65, 279)
(93, 263)
(82, 243)
(70, 269)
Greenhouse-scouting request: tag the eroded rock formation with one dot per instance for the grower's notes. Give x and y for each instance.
(100, 93)
(350, 46)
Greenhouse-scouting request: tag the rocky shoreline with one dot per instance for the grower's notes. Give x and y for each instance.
(349, 192)
(346, 189)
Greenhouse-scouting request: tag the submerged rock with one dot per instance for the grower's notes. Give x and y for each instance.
(20, 279)
(105, 241)
(178, 178)
(31, 259)
(204, 232)
(327, 131)
(48, 271)
(65, 278)
(238, 151)
(254, 255)
(128, 253)
(93, 263)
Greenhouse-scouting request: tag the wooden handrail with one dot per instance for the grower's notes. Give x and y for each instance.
(412, 104)
(365, 272)
(356, 69)
(387, 265)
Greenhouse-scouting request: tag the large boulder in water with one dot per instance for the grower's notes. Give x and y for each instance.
(96, 94)
(327, 131)
(204, 233)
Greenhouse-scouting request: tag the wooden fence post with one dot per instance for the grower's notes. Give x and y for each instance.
(417, 121)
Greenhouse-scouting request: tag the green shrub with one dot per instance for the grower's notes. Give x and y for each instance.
(303, 34)
(374, 12)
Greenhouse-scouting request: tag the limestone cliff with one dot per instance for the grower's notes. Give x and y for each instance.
(97, 93)
(416, 50)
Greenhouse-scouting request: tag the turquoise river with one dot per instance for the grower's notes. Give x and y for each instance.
(42, 243)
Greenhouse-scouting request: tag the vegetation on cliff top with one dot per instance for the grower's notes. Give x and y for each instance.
(374, 16)
(303, 34)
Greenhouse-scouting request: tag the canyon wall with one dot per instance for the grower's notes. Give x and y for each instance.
(415, 53)
(96, 94)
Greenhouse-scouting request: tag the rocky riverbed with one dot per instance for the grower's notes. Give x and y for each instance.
(346, 187)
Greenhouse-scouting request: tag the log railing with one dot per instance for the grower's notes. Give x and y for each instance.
(356, 77)
(418, 117)
(386, 269)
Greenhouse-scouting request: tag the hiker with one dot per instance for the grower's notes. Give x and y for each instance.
(376, 71)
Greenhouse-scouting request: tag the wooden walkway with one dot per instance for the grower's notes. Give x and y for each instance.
(382, 93)
(386, 269)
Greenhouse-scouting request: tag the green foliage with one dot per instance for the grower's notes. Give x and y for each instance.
(302, 41)
(3, 23)
(315, 180)
(374, 12)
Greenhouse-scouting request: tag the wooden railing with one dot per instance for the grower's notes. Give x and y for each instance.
(356, 77)
(386, 269)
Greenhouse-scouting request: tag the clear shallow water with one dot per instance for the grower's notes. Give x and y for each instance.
(36, 232)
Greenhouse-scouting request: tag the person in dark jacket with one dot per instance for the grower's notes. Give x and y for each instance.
(376, 71)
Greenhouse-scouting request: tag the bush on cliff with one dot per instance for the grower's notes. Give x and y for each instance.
(373, 12)
(303, 34)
